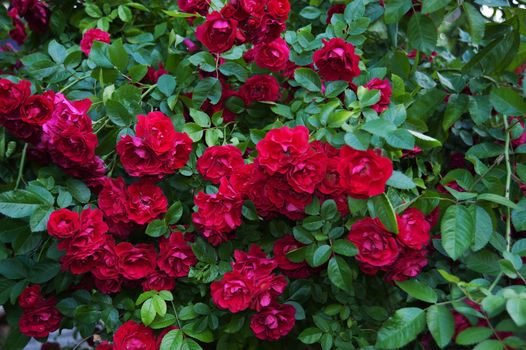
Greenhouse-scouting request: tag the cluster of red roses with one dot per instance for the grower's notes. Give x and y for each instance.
(89, 248)
(156, 149)
(252, 284)
(35, 12)
(57, 129)
(40, 316)
(401, 256)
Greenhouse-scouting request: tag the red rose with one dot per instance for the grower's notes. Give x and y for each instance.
(104, 346)
(146, 202)
(136, 262)
(307, 172)
(107, 267)
(279, 9)
(194, 6)
(37, 109)
(92, 35)
(31, 297)
(363, 174)
(158, 281)
(113, 199)
(253, 264)
(218, 162)
(337, 60)
(38, 322)
(375, 244)
(273, 322)
(286, 201)
(273, 56)
(281, 147)
(152, 76)
(109, 286)
(266, 29)
(409, 265)
(38, 18)
(157, 131)
(137, 158)
(175, 255)
(13, 95)
(260, 88)
(23, 6)
(385, 93)
(252, 7)
(217, 33)
(334, 9)
(290, 269)
(18, 33)
(76, 144)
(218, 214)
(233, 292)
(132, 335)
(63, 223)
(267, 289)
(413, 229)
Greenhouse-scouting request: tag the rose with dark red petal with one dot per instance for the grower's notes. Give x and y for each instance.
(104, 346)
(157, 131)
(41, 320)
(146, 202)
(132, 335)
(253, 263)
(233, 292)
(385, 93)
(63, 223)
(107, 267)
(413, 229)
(279, 9)
(285, 199)
(337, 61)
(218, 214)
(194, 6)
(267, 289)
(376, 246)
(38, 18)
(273, 55)
(273, 322)
(136, 262)
(137, 158)
(12, 96)
(37, 109)
(260, 88)
(335, 9)
(92, 35)
(31, 297)
(253, 7)
(158, 281)
(218, 162)
(363, 174)
(175, 255)
(281, 147)
(18, 33)
(217, 33)
(266, 29)
(409, 265)
(153, 75)
(307, 172)
(113, 199)
(291, 269)
(76, 144)
(109, 286)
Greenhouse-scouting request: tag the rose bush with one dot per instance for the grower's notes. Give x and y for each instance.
(277, 174)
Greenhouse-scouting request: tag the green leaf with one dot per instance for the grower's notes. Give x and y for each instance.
(495, 198)
(310, 12)
(456, 106)
(344, 247)
(174, 213)
(425, 140)
(159, 305)
(340, 273)
(441, 324)
(173, 340)
(477, 22)
(118, 55)
(205, 336)
(358, 139)
(166, 84)
(43, 272)
(200, 118)
(380, 207)
(380, 127)
(206, 88)
(418, 290)
(507, 101)
(19, 203)
(56, 51)
(402, 328)
(124, 13)
(310, 335)
(308, 79)
(321, 255)
(147, 312)
(434, 5)
(516, 308)
(157, 228)
(194, 131)
(234, 69)
(401, 138)
(490, 345)
(473, 335)
(422, 33)
(401, 181)
(78, 190)
(118, 113)
(458, 230)
(137, 72)
(483, 227)
(395, 10)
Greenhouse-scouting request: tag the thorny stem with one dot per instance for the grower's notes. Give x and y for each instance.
(508, 181)
(150, 89)
(73, 83)
(21, 167)
(176, 316)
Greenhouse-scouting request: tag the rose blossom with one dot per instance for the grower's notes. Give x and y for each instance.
(273, 322)
(375, 244)
(337, 60)
(218, 162)
(31, 297)
(307, 172)
(194, 6)
(291, 269)
(175, 255)
(413, 229)
(408, 265)
(37, 109)
(132, 335)
(136, 262)
(273, 56)
(266, 290)
(363, 174)
(260, 88)
(158, 281)
(92, 35)
(279, 9)
(233, 292)
(146, 202)
(385, 93)
(63, 223)
(40, 320)
(12, 95)
(157, 131)
(217, 33)
(253, 263)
